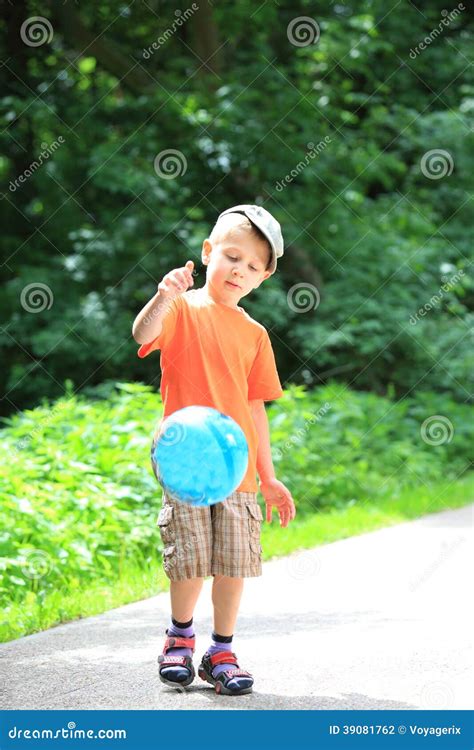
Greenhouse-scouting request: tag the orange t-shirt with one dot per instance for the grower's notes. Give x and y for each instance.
(214, 355)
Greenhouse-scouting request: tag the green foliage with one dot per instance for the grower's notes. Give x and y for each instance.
(336, 446)
(361, 221)
(79, 500)
(349, 520)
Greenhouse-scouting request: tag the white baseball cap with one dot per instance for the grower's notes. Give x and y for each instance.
(267, 224)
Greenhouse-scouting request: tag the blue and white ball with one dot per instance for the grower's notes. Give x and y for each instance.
(201, 455)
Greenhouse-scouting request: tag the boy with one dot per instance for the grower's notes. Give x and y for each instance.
(214, 354)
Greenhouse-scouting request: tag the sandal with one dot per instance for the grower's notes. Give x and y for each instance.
(231, 682)
(184, 676)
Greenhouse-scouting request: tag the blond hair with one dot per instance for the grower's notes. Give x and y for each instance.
(225, 226)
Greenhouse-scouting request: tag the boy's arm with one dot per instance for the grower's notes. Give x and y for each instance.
(148, 324)
(274, 492)
(264, 454)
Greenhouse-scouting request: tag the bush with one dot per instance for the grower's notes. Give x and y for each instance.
(334, 446)
(79, 500)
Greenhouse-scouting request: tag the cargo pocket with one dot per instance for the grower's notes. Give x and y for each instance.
(255, 518)
(169, 558)
(165, 524)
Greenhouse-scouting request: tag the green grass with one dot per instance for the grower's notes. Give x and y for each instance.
(136, 583)
(78, 500)
(331, 525)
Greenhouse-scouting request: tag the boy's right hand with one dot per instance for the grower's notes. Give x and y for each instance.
(177, 281)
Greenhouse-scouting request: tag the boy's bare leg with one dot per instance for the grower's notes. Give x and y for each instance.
(226, 596)
(184, 595)
(176, 666)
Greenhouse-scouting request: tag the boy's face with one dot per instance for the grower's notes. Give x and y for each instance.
(236, 263)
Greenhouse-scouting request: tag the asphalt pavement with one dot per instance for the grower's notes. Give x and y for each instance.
(378, 621)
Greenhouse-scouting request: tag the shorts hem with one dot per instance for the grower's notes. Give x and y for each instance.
(232, 573)
(185, 576)
(229, 573)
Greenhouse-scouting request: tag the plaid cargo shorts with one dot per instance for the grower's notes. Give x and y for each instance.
(221, 539)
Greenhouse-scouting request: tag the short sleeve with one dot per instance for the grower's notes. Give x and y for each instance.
(167, 330)
(263, 381)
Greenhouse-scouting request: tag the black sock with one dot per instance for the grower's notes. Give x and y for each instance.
(182, 624)
(221, 638)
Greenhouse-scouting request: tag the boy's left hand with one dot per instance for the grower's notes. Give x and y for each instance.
(277, 495)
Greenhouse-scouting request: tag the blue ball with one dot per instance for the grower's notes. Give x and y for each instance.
(201, 455)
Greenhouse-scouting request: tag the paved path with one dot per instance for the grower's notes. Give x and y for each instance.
(379, 621)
